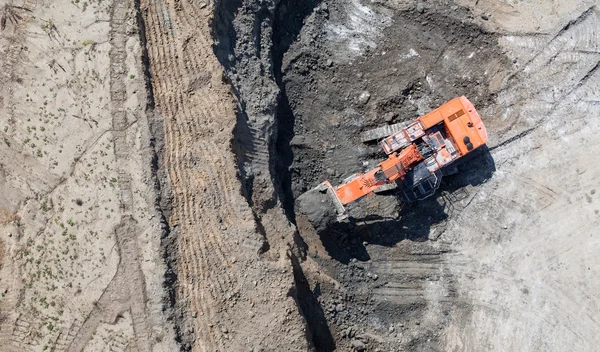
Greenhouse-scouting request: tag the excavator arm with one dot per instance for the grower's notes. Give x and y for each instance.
(360, 185)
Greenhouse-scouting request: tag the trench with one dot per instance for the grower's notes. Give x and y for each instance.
(285, 20)
(289, 18)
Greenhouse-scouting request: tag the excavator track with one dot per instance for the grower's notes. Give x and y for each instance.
(381, 132)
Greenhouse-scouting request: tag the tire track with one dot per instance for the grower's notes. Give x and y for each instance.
(201, 253)
(126, 291)
(550, 78)
(405, 279)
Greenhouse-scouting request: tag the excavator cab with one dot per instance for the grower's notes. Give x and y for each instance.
(418, 184)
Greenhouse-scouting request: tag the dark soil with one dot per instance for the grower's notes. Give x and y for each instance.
(324, 95)
(306, 100)
(454, 58)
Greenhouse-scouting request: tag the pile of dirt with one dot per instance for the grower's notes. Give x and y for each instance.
(318, 207)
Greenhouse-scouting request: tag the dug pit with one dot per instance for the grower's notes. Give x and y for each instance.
(310, 77)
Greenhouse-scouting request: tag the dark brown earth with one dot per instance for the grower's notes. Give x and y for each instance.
(306, 98)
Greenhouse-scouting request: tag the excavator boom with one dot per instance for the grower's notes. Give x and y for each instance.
(360, 185)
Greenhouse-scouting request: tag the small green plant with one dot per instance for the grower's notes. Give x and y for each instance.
(26, 140)
(70, 222)
(88, 42)
(131, 76)
(46, 206)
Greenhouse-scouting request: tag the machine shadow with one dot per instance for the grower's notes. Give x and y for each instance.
(346, 240)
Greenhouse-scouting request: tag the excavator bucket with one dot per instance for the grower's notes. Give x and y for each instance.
(320, 206)
(326, 187)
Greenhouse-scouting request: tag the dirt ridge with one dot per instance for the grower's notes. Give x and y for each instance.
(218, 241)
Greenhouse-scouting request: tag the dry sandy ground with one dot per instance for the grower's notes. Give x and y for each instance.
(81, 259)
(527, 245)
(82, 239)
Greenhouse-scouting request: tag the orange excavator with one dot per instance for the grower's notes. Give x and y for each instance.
(416, 155)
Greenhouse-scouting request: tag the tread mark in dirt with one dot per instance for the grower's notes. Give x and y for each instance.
(198, 171)
(18, 337)
(578, 34)
(12, 55)
(582, 17)
(126, 291)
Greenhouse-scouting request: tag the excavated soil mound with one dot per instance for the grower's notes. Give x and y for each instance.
(318, 208)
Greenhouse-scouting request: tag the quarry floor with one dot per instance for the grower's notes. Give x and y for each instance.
(152, 152)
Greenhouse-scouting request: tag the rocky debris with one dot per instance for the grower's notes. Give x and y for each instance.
(389, 117)
(364, 97)
(358, 345)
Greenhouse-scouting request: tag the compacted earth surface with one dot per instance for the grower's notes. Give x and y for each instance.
(153, 156)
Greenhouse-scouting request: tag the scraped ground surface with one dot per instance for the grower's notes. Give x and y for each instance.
(504, 258)
(151, 152)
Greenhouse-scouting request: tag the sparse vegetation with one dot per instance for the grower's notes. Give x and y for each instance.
(46, 205)
(50, 28)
